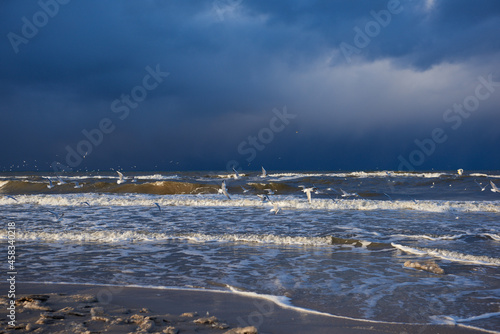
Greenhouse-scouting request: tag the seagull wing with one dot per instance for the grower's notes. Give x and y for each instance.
(264, 173)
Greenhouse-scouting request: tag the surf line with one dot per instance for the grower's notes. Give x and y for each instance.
(121, 107)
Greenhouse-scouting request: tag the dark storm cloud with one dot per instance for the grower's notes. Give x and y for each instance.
(230, 63)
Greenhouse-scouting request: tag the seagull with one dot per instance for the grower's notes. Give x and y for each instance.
(60, 181)
(460, 171)
(269, 191)
(86, 203)
(264, 173)
(223, 190)
(388, 196)
(11, 197)
(275, 208)
(494, 187)
(121, 179)
(480, 186)
(158, 205)
(236, 174)
(346, 194)
(77, 185)
(50, 185)
(245, 190)
(264, 197)
(308, 191)
(56, 215)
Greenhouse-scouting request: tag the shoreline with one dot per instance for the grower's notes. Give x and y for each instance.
(124, 309)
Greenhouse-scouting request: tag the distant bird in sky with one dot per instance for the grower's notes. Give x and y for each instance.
(236, 174)
(494, 187)
(121, 178)
(50, 185)
(158, 206)
(77, 185)
(308, 191)
(86, 203)
(460, 172)
(264, 173)
(223, 190)
(480, 186)
(244, 189)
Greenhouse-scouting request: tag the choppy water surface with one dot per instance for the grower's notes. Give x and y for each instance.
(341, 255)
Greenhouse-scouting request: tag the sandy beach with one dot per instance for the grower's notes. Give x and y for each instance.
(62, 308)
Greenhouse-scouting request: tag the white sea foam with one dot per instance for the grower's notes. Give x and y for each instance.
(107, 236)
(428, 237)
(3, 183)
(450, 255)
(285, 202)
(380, 174)
(493, 236)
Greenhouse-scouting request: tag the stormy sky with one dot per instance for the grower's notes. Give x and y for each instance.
(291, 85)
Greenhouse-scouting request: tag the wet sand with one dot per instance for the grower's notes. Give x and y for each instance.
(63, 308)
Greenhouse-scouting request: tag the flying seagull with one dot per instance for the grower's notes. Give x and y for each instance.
(494, 187)
(264, 197)
(121, 178)
(269, 191)
(236, 174)
(460, 171)
(264, 173)
(77, 185)
(86, 203)
(223, 190)
(308, 191)
(346, 194)
(480, 186)
(56, 215)
(275, 208)
(60, 181)
(158, 206)
(50, 185)
(245, 190)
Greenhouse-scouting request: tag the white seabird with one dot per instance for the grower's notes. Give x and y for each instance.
(121, 178)
(308, 191)
(244, 189)
(480, 186)
(264, 173)
(275, 208)
(50, 185)
(236, 174)
(494, 187)
(56, 215)
(460, 171)
(264, 197)
(77, 185)
(223, 189)
(346, 194)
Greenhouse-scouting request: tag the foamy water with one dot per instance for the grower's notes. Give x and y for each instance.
(337, 255)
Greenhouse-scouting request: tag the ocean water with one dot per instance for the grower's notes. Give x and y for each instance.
(342, 255)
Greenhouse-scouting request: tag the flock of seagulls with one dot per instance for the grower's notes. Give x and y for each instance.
(308, 191)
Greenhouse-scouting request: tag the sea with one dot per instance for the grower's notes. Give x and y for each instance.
(346, 252)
